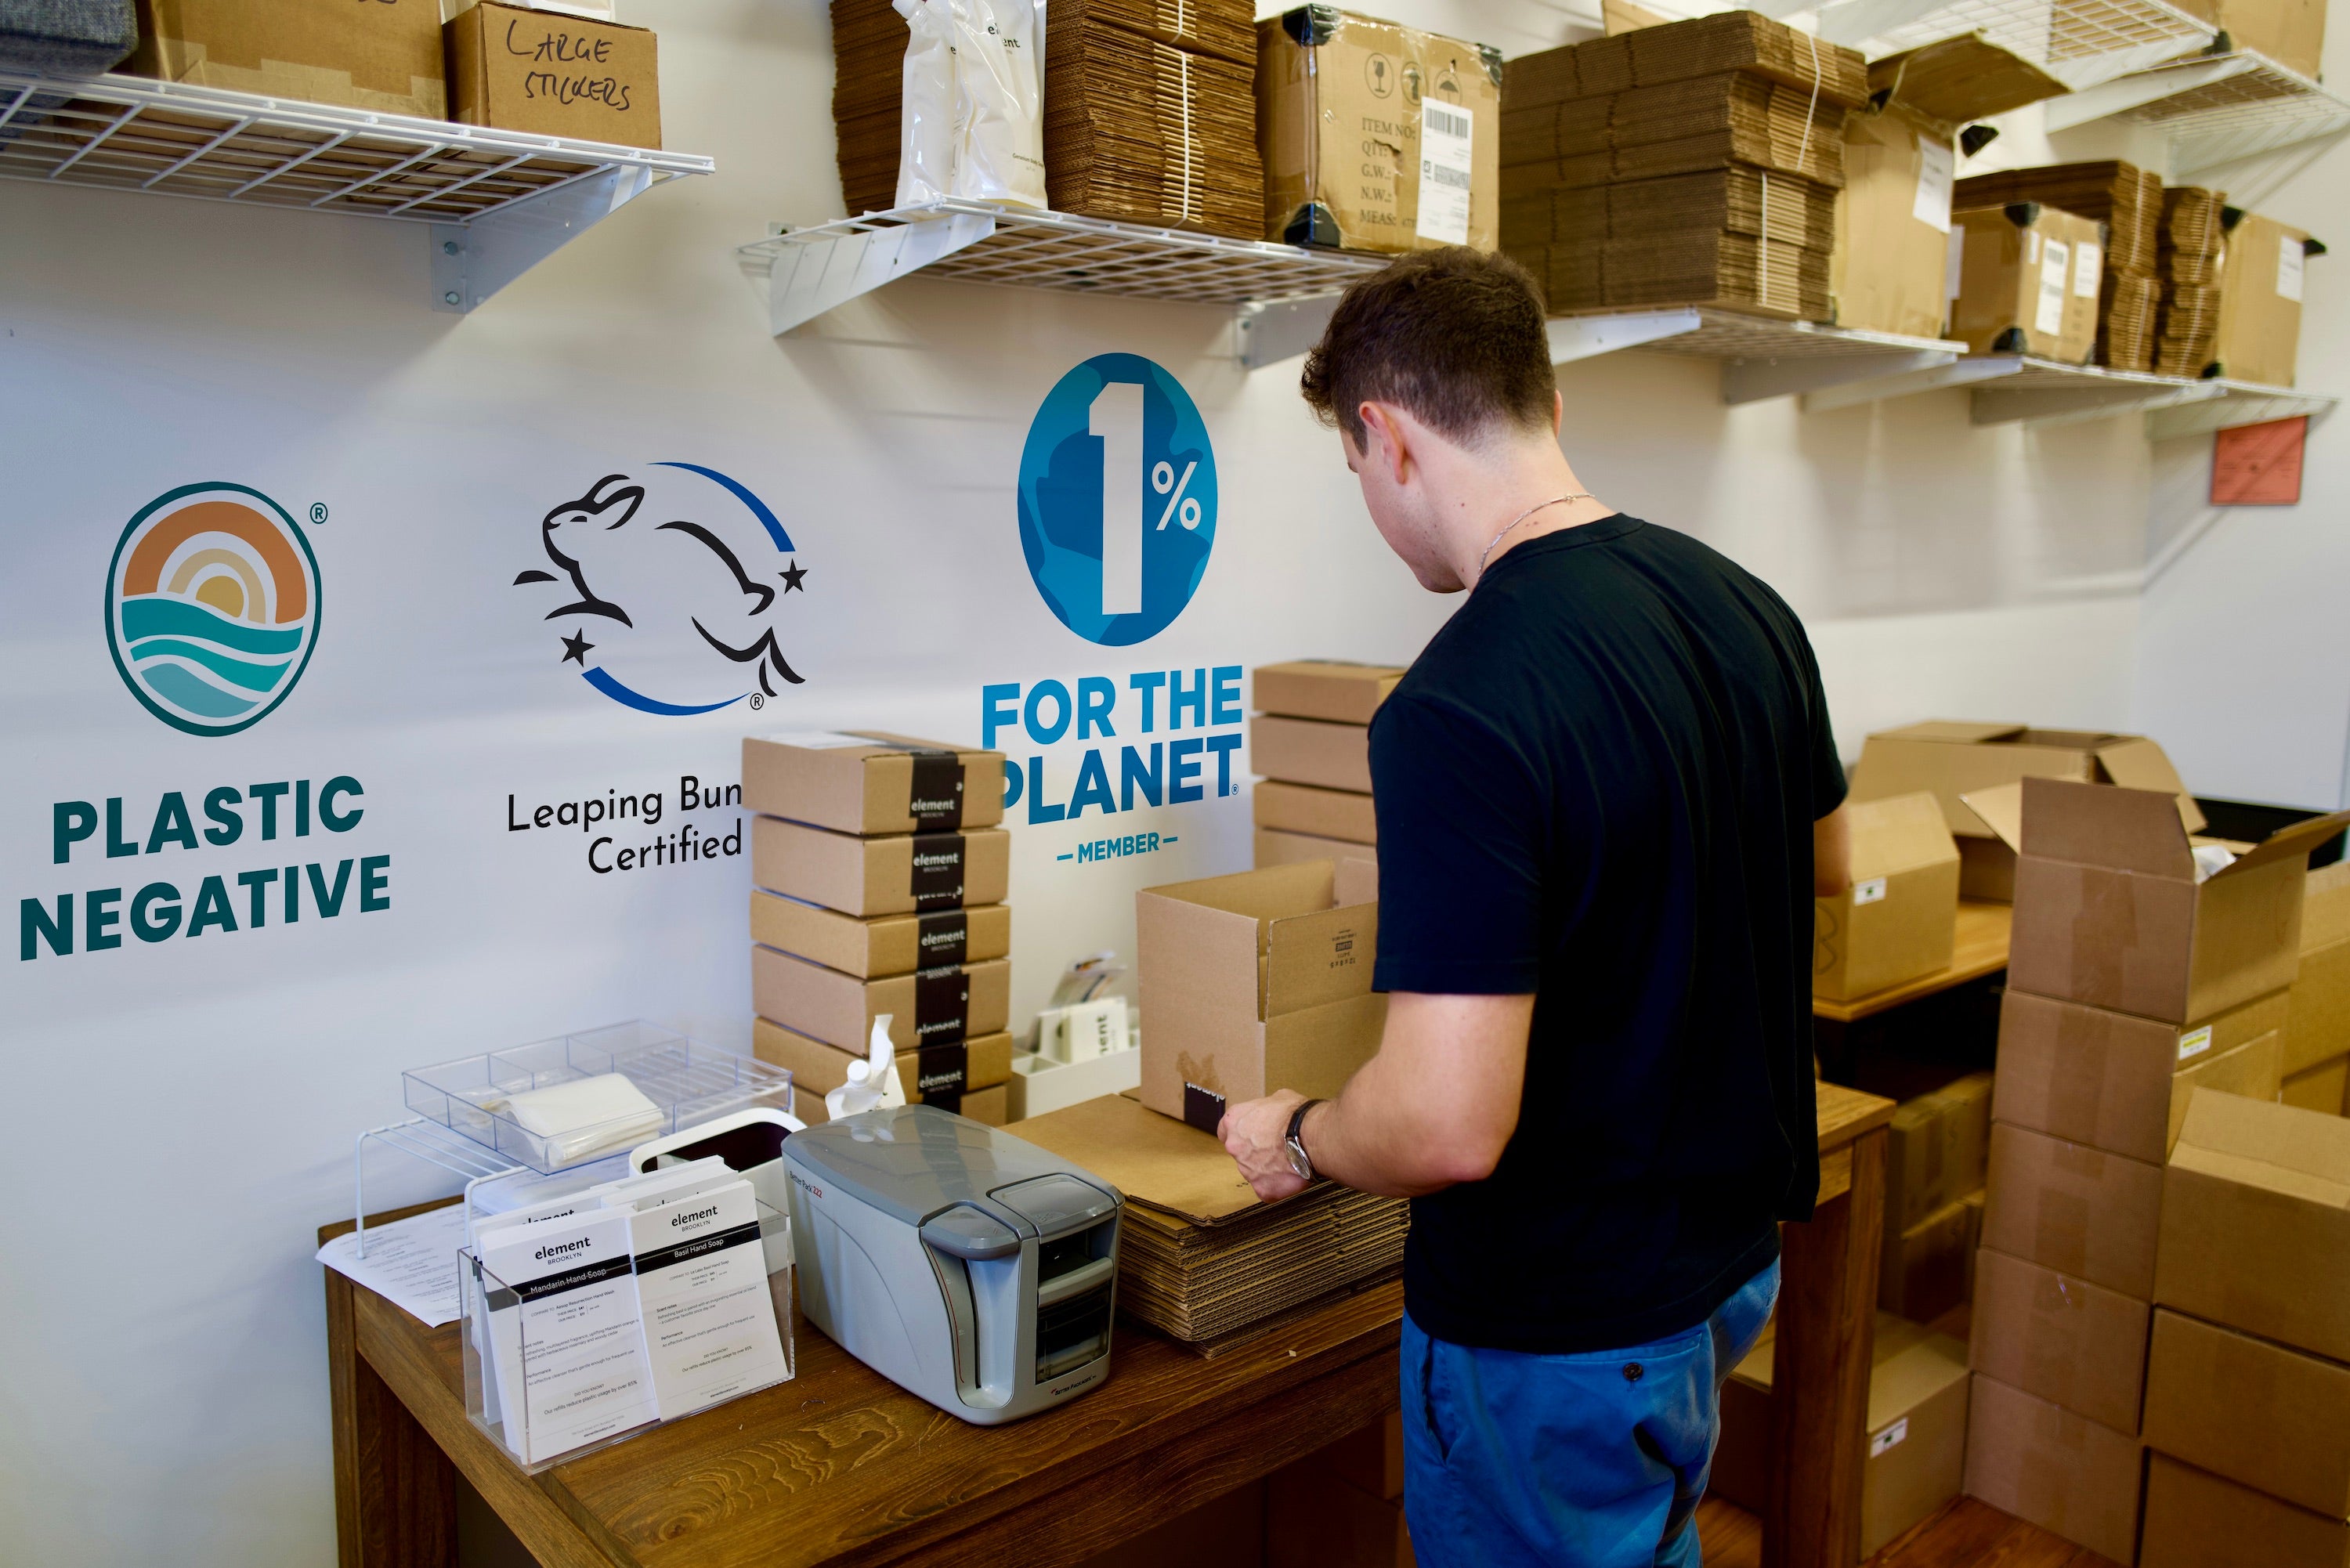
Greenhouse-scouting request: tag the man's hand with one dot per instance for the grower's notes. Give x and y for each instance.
(1257, 1133)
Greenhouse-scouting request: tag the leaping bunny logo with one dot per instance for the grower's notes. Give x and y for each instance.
(687, 571)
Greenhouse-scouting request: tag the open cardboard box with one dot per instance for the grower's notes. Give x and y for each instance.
(1900, 917)
(1953, 758)
(1257, 982)
(2110, 910)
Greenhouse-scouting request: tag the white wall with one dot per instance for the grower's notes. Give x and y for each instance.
(184, 1110)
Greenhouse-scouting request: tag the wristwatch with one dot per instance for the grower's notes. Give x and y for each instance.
(1299, 1160)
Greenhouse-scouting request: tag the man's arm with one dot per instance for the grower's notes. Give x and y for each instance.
(1831, 853)
(1435, 1107)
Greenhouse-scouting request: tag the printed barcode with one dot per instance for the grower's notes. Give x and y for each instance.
(1449, 124)
(1456, 178)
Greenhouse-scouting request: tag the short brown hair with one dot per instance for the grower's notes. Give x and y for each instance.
(1455, 335)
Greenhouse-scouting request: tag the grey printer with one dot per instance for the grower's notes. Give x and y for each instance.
(967, 1266)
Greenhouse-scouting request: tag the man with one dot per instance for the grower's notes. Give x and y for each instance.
(1606, 794)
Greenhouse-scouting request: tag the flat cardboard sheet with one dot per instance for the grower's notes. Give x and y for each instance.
(1155, 1160)
(1956, 80)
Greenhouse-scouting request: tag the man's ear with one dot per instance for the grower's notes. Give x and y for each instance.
(1384, 440)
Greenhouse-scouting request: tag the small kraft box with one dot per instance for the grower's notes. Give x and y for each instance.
(1343, 813)
(2054, 1468)
(873, 782)
(554, 74)
(1329, 689)
(1377, 137)
(901, 874)
(969, 1077)
(2027, 281)
(2256, 1222)
(2257, 1413)
(932, 1006)
(1899, 918)
(2260, 297)
(1254, 983)
(2113, 910)
(885, 944)
(2196, 1520)
(384, 55)
(1311, 752)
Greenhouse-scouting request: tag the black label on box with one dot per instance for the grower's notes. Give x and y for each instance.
(1203, 1108)
(942, 937)
(942, 1004)
(937, 871)
(936, 798)
(941, 1073)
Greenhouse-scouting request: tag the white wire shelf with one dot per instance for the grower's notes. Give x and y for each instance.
(1761, 357)
(2213, 110)
(497, 201)
(2014, 388)
(1285, 290)
(2079, 42)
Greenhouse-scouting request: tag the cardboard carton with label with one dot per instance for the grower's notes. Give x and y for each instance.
(969, 1077)
(906, 873)
(932, 1006)
(2027, 281)
(2261, 276)
(554, 74)
(871, 780)
(1257, 982)
(883, 944)
(1898, 919)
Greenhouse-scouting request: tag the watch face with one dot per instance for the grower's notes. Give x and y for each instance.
(1298, 1162)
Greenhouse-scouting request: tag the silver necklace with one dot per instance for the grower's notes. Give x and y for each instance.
(1537, 507)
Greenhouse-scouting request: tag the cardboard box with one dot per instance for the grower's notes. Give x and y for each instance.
(2109, 911)
(2073, 1209)
(2318, 1088)
(1324, 812)
(1929, 1268)
(904, 874)
(2121, 1083)
(883, 944)
(1341, 103)
(1311, 752)
(2028, 281)
(873, 782)
(2260, 300)
(2196, 1519)
(1314, 1520)
(1893, 226)
(1937, 1149)
(982, 1063)
(2053, 1468)
(2254, 1412)
(933, 1007)
(1330, 688)
(2290, 32)
(2320, 1027)
(554, 74)
(1277, 848)
(1899, 918)
(2256, 1222)
(384, 56)
(2061, 1338)
(1917, 1430)
(2325, 907)
(1255, 983)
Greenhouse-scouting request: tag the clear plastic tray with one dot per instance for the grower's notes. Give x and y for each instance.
(508, 1420)
(687, 1081)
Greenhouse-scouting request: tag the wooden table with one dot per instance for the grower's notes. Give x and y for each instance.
(1949, 1006)
(840, 1466)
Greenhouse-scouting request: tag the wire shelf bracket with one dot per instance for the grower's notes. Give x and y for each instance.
(1761, 357)
(1281, 295)
(493, 202)
(2079, 42)
(2214, 109)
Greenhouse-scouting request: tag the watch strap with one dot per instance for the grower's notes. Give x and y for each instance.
(1297, 1135)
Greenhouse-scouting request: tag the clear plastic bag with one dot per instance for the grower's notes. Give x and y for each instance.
(999, 69)
(931, 131)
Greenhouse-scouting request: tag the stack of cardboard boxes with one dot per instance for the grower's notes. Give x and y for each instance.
(878, 884)
(2137, 974)
(1311, 740)
(2317, 1036)
(2188, 245)
(2248, 1378)
(1692, 163)
(1937, 1152)
(2128, 201)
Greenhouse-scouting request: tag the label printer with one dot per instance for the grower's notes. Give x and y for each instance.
(969, 1267)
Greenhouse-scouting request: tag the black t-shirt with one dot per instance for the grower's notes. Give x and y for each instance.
(1597, 784)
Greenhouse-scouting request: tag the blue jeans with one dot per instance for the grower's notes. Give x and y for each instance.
(1591, 1460)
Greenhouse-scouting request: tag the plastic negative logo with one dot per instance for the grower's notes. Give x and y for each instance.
(211, 607)
(666, 584)
(1117, 499)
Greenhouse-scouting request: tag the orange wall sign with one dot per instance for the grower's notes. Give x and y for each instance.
(2259, 466)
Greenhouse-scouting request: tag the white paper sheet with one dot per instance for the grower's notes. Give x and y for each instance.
(411, 1262)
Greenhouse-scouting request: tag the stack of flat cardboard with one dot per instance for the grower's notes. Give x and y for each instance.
(2317, 1037)
(2188, 245)
(1202, 1260)
(1720, 143)
(869, 62)
(1150, 114)
(1311, 740)
(878, 887)
(2126, 199)
(1936, 1155)
(2248, 1374)
(2134, 979)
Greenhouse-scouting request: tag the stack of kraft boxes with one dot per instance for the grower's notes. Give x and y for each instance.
(2137, 976)
(2187, 247)
(2126, 199)
(1692, 163)
(879, 883)
(2317, 1039)
(1311, 740)
(2248, 1378)
(1937, 1153)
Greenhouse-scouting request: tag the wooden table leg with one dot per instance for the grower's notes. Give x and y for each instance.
(395, 1490)
(1819, 1405)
